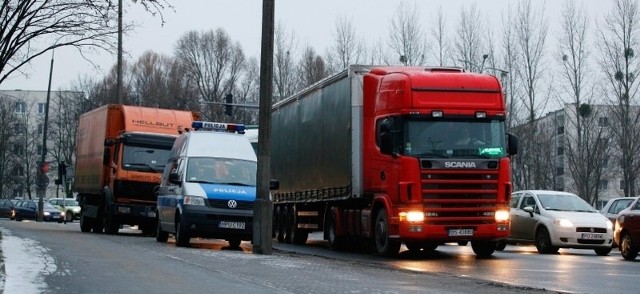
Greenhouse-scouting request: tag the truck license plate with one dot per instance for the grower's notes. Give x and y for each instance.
(592, 236)
(460, 232)
(231, 225)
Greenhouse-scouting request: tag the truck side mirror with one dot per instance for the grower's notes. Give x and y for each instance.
(512, 144)
(105, 156)
(274, 184)
(174, 178)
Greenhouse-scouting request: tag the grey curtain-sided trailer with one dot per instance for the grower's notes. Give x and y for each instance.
(316, 139)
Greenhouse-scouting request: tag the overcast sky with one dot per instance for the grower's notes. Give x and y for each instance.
(312, 21)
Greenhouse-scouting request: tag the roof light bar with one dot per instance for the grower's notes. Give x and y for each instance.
(218, 126)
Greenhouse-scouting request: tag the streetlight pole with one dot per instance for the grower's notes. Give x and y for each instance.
(119, 66)
(263, 209)
(41, 187)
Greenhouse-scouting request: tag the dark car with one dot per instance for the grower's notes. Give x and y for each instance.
(627, 233)
(28, 209)
(6, 208)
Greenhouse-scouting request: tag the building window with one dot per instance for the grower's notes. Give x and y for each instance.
(40, 129)
(20, 107)
(560, 150)
(603, 185)
(39, 149)
(559, 171)
(42, 107)
(560, 130)
(605, 162)
(621, 184)
(18, 128)
(603, 121)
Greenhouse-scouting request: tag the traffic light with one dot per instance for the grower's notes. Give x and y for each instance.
(228, 100)
(62, 170)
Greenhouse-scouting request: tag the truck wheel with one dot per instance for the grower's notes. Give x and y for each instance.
(279, 227)
(182, 233)
(288, 230)
(161, 236)
(483, 248)
(413, 246)
(298, 236)
(85, 224)
(234, 243)
(384, 245)
(335, 242)
(111, 226)
(502, 244)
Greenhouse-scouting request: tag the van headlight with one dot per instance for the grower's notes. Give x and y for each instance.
(193, 200)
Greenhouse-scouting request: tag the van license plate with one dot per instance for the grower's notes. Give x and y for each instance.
(231, 225)
(460, 232)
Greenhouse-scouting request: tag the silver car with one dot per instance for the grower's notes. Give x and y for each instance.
(553, 220)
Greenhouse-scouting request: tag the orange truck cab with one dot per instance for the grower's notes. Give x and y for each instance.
(121, 152)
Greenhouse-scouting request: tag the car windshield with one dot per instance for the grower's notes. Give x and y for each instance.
(47, 205)
(564, 202)
(70, 202)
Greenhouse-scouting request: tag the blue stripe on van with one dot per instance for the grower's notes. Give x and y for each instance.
(228, 192)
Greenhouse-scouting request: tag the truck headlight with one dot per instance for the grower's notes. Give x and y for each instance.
(502, 215)
(412, 216)
(193, 200)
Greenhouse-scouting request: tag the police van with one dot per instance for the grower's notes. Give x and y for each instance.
(208, 187)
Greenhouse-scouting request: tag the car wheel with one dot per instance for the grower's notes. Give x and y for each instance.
(628, 251)
(182, 233)
(603, 251)
(161, 236)
(543, 242)
(502, 244)
(483, 248)
(68, 217)
(385, 245)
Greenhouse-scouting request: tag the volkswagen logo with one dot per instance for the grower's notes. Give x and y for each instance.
(232, 203)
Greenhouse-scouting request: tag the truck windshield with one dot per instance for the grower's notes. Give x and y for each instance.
(221, 171)
(454, 138)
(144, 158)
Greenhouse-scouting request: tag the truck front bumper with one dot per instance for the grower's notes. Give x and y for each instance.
(453, 233)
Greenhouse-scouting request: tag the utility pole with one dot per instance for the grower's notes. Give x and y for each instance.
(119, 66)
(263, 209)
(41, 187)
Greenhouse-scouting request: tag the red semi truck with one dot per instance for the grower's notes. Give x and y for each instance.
(380, 153)
(120, 156)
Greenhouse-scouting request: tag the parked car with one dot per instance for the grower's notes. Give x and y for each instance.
(552, 220)
(69, 206)
(28, 209)
(627, 233)
(6, 208)
(614, 206)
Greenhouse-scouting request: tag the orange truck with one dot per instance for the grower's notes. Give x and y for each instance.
(121, 152)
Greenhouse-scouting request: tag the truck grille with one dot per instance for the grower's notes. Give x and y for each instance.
(459, 197)
(242, 205)
(143, 191)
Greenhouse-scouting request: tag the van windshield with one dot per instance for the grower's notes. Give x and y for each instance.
(221, 171)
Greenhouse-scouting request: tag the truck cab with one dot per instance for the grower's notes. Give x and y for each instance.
(208, 187)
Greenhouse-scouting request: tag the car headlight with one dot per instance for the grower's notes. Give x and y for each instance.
(76, 210)
(609, 225)
(412, 216)
(46, 213)
(193, 200)
(563, 222)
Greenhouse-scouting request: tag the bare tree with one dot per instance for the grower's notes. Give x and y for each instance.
(214, 63)
(347, 48)
(248, 92)
(439, 33)
(469, 47)
(406, 37)
(312, 67)
(30, 28)
(616, 39)
(284, 74)
(509, 65)
(7, 156)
